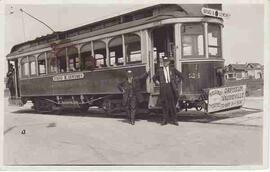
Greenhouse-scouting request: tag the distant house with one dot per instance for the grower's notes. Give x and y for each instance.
(255, 70)
(236, 72)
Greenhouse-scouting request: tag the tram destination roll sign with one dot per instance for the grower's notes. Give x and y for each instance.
(226, 98)
(214, 13)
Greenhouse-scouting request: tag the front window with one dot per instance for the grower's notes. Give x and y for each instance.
(214, 40)
(193, 40)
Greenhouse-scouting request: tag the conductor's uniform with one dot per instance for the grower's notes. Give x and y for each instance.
(168, 91)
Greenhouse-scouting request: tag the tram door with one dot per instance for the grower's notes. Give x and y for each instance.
(162, 42)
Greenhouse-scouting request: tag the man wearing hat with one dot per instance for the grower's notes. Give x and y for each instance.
(166, 76)
(130, 89)
(10, 81)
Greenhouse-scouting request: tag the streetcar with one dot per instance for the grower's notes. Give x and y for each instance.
(81, 67)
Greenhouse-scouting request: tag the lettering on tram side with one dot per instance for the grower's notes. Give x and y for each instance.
(68, 76)
(226, 97)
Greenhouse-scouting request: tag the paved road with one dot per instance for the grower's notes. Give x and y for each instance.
(227, 138)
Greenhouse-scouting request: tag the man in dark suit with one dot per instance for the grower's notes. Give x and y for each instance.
(166, 76)
(131, 90)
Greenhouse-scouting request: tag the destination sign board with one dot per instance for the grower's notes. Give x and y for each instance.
(68, 76)
(214, 13)
(226, 97)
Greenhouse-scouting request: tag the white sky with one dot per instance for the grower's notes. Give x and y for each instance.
(243, 31)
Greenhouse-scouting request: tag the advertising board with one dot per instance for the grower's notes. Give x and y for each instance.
(226, 98)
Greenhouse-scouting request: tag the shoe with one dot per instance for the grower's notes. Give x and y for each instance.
(175, 123)
(132, 123)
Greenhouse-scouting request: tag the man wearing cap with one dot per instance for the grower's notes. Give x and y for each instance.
(130, 89)
(168, 92)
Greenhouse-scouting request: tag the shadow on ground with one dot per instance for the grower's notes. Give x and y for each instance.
(183, 116)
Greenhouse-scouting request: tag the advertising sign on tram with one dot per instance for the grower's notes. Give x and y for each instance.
(226, 98)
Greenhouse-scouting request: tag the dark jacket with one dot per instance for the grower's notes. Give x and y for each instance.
(133, 89)
(175, 77)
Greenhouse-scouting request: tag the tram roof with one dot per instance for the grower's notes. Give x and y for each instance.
(118, 22)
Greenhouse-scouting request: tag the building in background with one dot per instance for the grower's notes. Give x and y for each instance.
(236, 72)
(243, 71)
(255, 70)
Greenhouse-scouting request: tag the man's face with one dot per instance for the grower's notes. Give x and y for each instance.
(166, 63)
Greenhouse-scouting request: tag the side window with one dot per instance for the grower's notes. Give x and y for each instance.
(41, 64)
(25, 67)
(32, 63)
(116, 51)
(52, 62)
(100, 54)
(193, 40)
(133, 48)
(61, 60)
(87, 60)
(73, 59)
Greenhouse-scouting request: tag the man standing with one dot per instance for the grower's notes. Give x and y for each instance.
(130, 89)
(168, 90)
(10, 82)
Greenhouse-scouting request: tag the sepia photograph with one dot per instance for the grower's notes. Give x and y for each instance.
(134, 84)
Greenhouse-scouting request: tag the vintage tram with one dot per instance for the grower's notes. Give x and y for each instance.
(81, 67)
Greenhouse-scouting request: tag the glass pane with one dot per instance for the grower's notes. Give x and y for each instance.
(192, 40)
(133, 48)
(25, 69)
(32, 68)
(214, 39)
(41, 67)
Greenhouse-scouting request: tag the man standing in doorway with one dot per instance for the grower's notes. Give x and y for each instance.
(168, 92)
(132, 95)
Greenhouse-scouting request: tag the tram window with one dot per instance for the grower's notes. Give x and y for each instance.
(192, 40)
(41, 64)
(116, 51)
(133, 48)
(52, 62)
(100, 54)
(61, 60)
(73, 59)
(32, 63)
(214, 40)
(25, 67)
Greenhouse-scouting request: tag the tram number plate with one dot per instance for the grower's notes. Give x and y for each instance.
(71, 76)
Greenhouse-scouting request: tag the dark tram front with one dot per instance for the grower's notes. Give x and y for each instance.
(81, 67)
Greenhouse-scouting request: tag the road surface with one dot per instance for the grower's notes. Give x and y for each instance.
(225, 138)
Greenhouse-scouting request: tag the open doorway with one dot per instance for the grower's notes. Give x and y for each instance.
(163, 43)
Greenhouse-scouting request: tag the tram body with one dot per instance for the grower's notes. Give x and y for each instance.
(53, 71)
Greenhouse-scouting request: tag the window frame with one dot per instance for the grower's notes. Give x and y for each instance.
(127, 62)
(219, 41)
(193, 56)
(42, 58)
(32, 59)
(24, 61)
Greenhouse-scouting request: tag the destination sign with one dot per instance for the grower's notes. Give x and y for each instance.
(69, 76)
(226, 98)
(214, 13)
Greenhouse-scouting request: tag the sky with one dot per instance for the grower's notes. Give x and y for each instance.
(243, 34)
